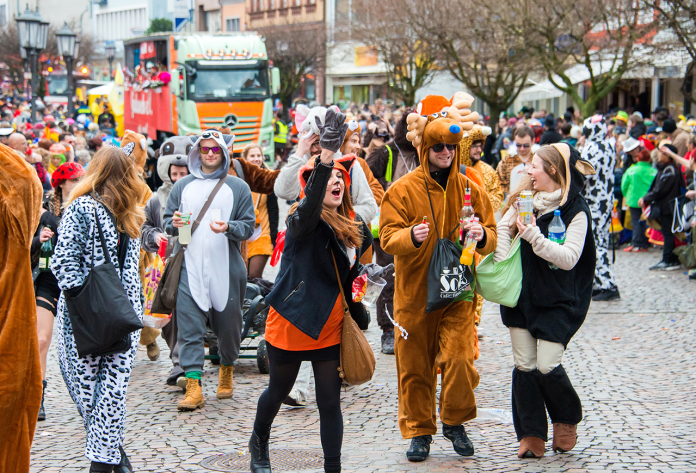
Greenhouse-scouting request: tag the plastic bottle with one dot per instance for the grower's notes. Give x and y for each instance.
(45, 254)
(465, 215)
(185, 231)
(469, 248)
(557, 229)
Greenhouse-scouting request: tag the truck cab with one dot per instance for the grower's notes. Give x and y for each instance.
(217, 80)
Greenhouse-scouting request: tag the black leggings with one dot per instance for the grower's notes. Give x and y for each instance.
(328, 391)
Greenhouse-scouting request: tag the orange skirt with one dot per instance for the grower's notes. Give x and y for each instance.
(282, 334)
(261, 246)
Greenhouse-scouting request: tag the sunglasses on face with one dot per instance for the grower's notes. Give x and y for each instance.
(207, 149)
(523, 146)
(440, 146)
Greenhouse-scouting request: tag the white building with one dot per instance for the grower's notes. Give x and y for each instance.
(55, 12)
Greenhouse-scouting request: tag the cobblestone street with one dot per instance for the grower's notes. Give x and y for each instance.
(632, 363)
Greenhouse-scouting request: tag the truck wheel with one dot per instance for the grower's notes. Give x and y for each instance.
(262, 357)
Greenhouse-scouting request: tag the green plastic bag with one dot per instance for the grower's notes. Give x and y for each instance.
(501, 282)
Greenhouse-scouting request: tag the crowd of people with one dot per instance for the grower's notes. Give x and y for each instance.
(408, 187)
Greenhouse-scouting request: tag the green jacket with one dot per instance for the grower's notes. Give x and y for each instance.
(636, 182)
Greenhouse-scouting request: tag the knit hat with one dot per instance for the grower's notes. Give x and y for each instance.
(669, 126)
(57, 149)
(65, 172)
(670, 147)
(549, 122)
(353, 129)
(512, 121)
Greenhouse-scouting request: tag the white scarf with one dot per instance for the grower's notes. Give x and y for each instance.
(546, 201)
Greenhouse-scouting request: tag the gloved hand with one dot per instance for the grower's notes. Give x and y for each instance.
(333, 132)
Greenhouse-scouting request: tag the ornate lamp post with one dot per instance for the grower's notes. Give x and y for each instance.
(33, 32)
(67, 47)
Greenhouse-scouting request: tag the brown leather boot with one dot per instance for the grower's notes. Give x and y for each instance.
(194, 396)
(565, 436)
(531, 447)
(153, 351)
(225, 388)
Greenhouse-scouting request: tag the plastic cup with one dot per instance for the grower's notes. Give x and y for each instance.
(373, 290)
(185, 231)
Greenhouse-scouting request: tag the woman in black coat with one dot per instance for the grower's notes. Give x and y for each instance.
(664, 189)
(305, 320)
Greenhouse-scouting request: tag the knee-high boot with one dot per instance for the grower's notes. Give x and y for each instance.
(528, 412)
(560, 397)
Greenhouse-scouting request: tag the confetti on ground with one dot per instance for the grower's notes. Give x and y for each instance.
(616, 338)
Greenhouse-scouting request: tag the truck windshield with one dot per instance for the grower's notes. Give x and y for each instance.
(57, 84)
(220, 84)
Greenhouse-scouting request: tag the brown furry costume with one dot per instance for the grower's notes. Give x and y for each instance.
(20, 376)
(444, 338)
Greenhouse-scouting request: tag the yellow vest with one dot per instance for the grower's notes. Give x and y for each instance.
(282, 135)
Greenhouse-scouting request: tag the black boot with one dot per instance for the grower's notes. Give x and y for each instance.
(528, 410)
(260, 459)
(97, 467)
(562, 402)
(388, 341)
(42, 412)
(332, 464)
(124, 465)
(420, 448)
(461, 443)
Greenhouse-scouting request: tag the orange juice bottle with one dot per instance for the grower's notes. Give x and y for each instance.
(465, 215)
(469, 248)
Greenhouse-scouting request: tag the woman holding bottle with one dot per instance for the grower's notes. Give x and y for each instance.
(558, 273)
(63, 180)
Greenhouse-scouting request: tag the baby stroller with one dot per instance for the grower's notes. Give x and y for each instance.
(254, 314)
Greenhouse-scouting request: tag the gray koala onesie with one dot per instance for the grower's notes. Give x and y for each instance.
(213, 276)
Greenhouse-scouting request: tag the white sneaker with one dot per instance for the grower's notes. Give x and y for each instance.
(295, 399)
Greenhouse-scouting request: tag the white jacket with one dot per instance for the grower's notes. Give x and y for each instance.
(287, 186)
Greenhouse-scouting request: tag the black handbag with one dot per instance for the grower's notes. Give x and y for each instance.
(101, 315)
(447, 277)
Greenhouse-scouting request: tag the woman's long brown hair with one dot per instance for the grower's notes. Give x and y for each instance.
(113, 176)
(343, 225)
(552, 161)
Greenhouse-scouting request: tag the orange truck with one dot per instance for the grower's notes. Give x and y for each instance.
(222, 79)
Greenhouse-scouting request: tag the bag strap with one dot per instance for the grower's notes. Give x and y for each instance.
(388, 176)
(433, 212)
(101, 238)
(208, 201)
(340, 285)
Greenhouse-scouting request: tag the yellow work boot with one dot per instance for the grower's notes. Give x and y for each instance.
(194, 396)
(225, 382)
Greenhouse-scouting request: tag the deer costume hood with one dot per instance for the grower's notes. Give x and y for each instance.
(443, 338)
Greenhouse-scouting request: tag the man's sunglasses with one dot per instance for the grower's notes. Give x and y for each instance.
(207, 149)
(523, 146)
(440, 146)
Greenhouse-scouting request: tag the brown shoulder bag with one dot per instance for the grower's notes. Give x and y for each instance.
(357, 358)
(164, 301)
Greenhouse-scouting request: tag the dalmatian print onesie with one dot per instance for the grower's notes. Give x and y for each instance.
(599, 194)
(97, 384)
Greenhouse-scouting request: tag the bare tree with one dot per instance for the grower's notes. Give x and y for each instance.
(410, 60)
(478, 47)
(605, 39)
(678, 16)
(296, 50)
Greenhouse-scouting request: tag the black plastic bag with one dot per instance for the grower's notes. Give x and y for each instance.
(447, 277)
(101, 315)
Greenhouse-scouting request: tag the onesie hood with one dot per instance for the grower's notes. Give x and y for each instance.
(224, 141)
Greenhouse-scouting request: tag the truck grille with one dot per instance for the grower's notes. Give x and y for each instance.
(246, 132)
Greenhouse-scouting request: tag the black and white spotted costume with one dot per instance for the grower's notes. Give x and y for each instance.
(97, 384)
(599, 194)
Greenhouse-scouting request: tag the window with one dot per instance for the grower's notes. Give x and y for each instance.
(3, 15)
(232, 24)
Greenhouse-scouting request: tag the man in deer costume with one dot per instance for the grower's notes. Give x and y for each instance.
(443, 338)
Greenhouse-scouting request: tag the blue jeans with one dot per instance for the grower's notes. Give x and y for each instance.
(639, 240)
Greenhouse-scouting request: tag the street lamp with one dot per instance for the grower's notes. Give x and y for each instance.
(67, 47)
(110, 55)
(33, 32)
